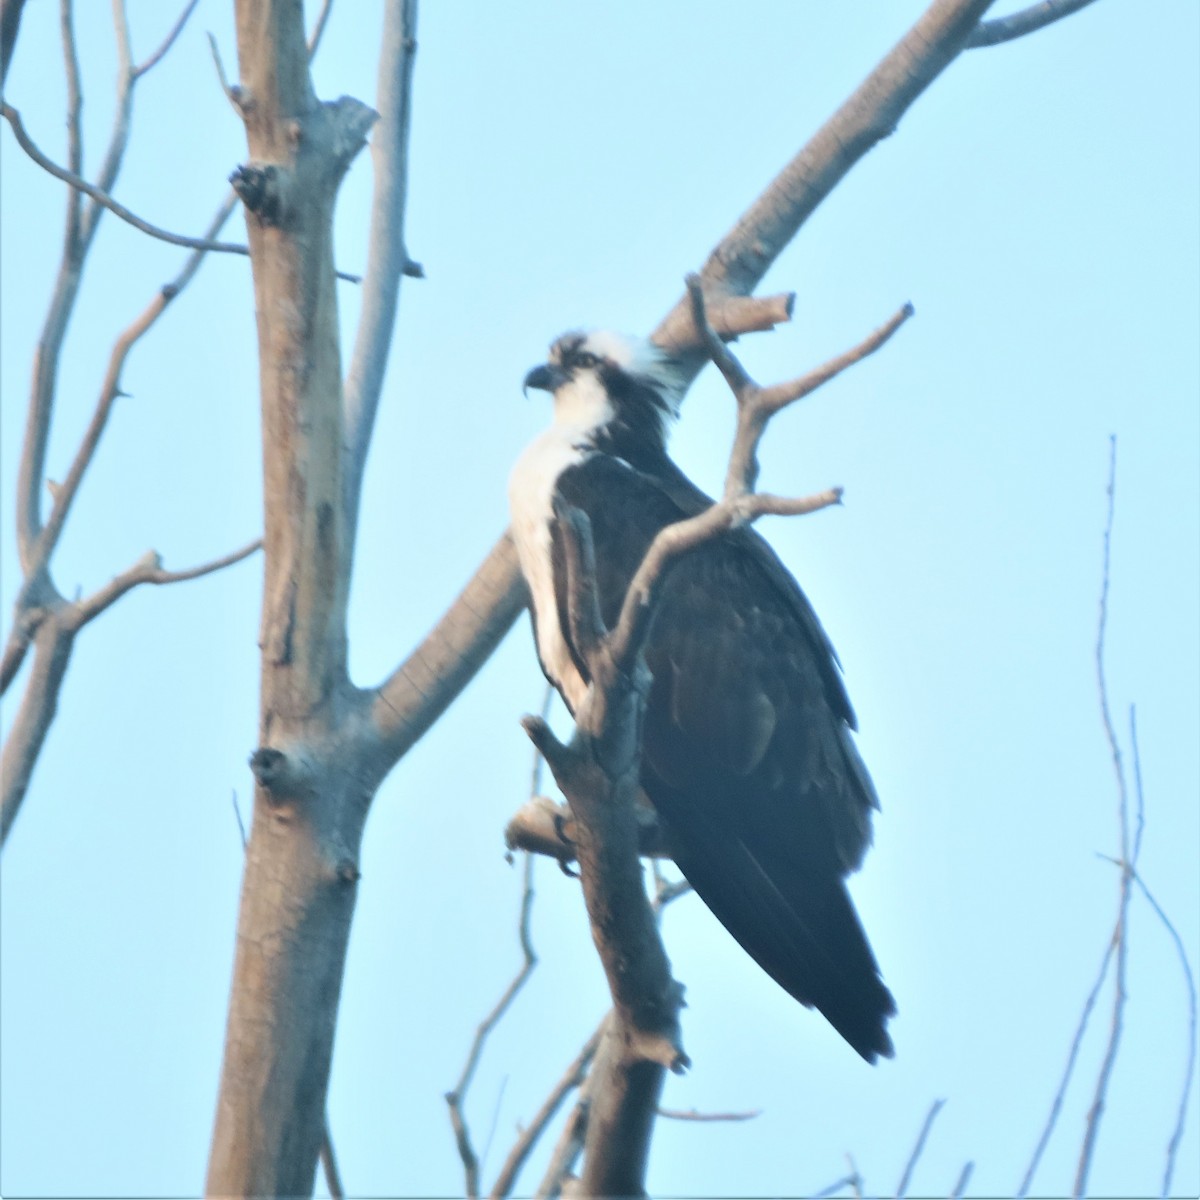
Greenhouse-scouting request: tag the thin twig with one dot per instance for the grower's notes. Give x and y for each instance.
(855, 1177)
(570, 1079)
(43, 386)
(111, 389)
(149, 569)
(740, 504)
(237, 812)
(1139, 797)
(1189, 1071)
(168, 41)
(333, 1178)
(99, 196)
(906, 1178)
(692, 1114)
(1018, 24)
(314, 37)
(458, 1094)
(832, 1189)
(233, 93)
(1057, 1103)
(570, 1141)
(964, 1178)
(1120, 932)
(1189, 977)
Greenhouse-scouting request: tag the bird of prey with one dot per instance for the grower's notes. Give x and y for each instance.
(747, 754)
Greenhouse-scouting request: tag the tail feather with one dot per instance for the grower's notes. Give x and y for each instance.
(799, 925)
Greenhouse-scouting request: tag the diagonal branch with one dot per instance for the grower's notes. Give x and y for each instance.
(412, 698)
(1018, 24)
(872, 112)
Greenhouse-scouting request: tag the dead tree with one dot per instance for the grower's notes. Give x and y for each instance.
(324, 743)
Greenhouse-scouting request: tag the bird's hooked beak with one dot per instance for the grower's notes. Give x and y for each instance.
(548, 377)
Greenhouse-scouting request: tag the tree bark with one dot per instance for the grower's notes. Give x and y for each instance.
(310, 803)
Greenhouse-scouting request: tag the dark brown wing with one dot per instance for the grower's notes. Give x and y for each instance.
(748, 754)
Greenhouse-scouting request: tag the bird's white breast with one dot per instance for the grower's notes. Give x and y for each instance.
(531, 502)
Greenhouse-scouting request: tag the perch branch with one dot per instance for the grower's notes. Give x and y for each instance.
(541, 826)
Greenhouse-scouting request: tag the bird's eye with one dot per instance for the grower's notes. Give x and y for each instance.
(585, 359)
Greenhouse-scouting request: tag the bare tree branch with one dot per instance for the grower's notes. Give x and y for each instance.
(832, 1189)
(964, 1178)
(541, 826)
(333, 1177)
(110, 389)
(740, 504)
(574, 1132)
(99, 196)
(318, 29)
(571, 1078)
(149, 569)
(458, 1094)
(387, 259)
(1018, 24)
(1068, 1070)
(742, 257)
(1181, 951)
(408, 702)
(62, 302)
(1120, 932)
(169, 41)
(906, 1178)
(691, 1114)
(733, 269)
(1189, 1071)
(293, 935)
(52, 645)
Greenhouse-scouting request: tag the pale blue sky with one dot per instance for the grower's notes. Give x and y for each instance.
(570, 162)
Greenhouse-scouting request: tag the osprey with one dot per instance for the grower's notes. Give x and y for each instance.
(747, 753)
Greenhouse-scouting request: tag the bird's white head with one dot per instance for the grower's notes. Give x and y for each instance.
(604, 380)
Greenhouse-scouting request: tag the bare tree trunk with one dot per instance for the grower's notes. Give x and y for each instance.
(301, 868)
